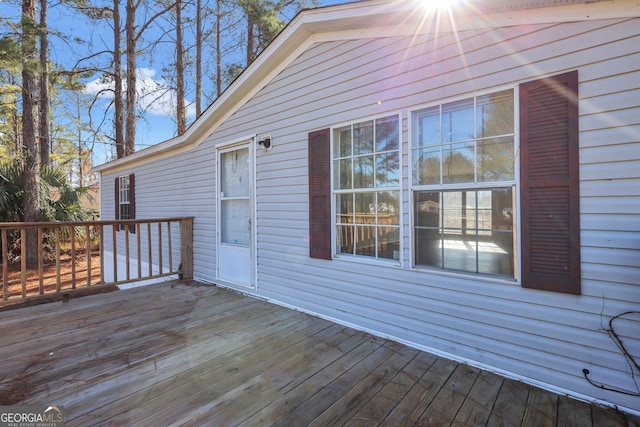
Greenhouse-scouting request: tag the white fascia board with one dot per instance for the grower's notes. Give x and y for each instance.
(277, 56)
(407, 19)
(360, 20)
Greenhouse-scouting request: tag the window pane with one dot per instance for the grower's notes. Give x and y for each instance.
(124, 211)
(234, 176)
(426, 166)
(363, 172)
(344, 208)
(427, 209)
(363, 138)
(123, 193)
(452, 211)
(388, 170)
(457, 121)
(366, 240)
(365, 208)
(428, 127)
(494, 114)
(469, 212)
(457, 163)
(495, 159)
(477, 231)
(428, 249)
(495, 253)
(342, 142)
(342, 174)
(344, 239)
(459, 252)
(235, 226)
(387, 133)
(502, 209)
(389, 242)
(389, 208)
(485, 216)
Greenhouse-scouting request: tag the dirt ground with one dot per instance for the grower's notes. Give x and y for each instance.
(50, 278)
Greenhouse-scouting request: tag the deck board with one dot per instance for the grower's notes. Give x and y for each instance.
(476, 408)
(446, 404)
(375, 410)
(408, 410)
(191, 354)
(509, 406)
(541, 409)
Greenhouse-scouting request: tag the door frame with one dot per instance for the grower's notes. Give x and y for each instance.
(238, 144)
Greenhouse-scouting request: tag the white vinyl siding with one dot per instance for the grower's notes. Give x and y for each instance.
(544, 337)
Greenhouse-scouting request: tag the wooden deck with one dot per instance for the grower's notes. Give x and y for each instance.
(191, 354)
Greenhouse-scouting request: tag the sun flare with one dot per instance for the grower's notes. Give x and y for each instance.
(437, 4)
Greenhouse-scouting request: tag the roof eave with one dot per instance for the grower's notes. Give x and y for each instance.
(354, 20)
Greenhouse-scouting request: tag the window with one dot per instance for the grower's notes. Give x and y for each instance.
(125, 199)
(464, 184)
(366, 188)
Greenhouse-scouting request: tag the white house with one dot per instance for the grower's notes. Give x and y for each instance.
(462, 179)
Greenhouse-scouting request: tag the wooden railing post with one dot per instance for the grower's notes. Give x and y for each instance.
(101, 245)
(23, 261)
(5, 265)
(186, 248)
(40, 262)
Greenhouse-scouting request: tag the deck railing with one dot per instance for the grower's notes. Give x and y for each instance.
(72, 256)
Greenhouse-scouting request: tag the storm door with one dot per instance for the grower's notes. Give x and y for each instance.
(235, 215)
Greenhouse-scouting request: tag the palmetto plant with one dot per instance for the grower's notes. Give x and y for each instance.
(11, 191)
(59, 201)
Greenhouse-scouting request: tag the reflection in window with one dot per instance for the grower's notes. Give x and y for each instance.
(458, 149)
(465, 230)
(366, 181)
(466, 141)
(234, 197)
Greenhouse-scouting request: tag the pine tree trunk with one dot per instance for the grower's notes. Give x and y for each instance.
(45, 148)
(218, 51)
(250, 40)
(31, 199)
(117, 79)
(180, 113)
(15, 121)
(130, 104)
(198, 58)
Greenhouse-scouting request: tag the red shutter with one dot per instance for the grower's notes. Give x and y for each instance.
(319, 195)
(550, 202)
(132, 201)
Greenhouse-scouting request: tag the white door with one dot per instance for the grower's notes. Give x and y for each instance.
(235, 213)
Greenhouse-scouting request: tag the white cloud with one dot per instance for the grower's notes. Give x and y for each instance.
(155, 96)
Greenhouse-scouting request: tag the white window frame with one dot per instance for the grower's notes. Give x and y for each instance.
(399, 188)
(124, 192)
(441, 187)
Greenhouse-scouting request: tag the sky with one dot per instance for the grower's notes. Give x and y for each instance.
(158, 123)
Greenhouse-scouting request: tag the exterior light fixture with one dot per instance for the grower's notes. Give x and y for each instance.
(265, 143)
